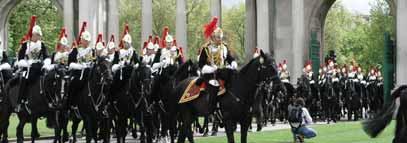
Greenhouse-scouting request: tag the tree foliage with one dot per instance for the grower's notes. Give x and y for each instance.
(48, 18)
(357, 37)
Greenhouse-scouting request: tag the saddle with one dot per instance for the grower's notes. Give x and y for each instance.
(193, 90)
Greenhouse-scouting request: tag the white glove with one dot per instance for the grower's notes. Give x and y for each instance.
(22, 63)
(47, 61)
(136, 65)
(234, 65)
(5, 66)
(48, 67)
(156, 66)
(115, 67)
(76, 66)
(208, 69)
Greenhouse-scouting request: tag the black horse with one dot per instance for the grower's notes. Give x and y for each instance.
(353, 100)
(374, 97)
(36, 107)
(122, 101)
(91, 92)
(235, 104)
(164, 84)
(56, 87)
(330, 99)
(397, 108)
(5, 107)
(238, 100)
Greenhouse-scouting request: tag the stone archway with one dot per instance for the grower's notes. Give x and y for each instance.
(316, 21)
(6, 7)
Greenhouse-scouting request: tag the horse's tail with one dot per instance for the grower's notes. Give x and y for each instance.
(376, 125)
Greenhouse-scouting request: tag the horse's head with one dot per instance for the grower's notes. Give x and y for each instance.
(103, 71)
(56, 85)
(262, 71)
(188, 69)
(142, 78)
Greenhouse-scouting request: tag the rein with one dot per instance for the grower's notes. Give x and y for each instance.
(101, 96)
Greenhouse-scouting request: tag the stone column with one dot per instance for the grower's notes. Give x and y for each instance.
(298, 39)
(181, 25)
(5, 7)
(102, 18)
(216, 10)
(401, 75)
(88, 11)
(146, 20)
(112, 19)
(265, 25)
(251, 37)
(69, 19)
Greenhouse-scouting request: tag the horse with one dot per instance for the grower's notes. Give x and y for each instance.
(36, 107)
(237, 103)
(141, 89)
(163, 85)
(352, 99)
(397, 108)
(88, 94)
(5, 107)
(56, 85)
(374, 96)
(260, 105)
(122, 100)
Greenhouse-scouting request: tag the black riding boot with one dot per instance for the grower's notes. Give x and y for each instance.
(21, 94)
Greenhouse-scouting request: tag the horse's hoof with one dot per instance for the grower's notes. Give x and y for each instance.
(205, 134)
(214, 134)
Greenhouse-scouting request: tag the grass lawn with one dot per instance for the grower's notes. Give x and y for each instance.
(337, 133)
(345, 132)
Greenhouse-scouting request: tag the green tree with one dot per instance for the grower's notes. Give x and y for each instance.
(130, 13)
(48, 17)
(356, 36)
(234, 29)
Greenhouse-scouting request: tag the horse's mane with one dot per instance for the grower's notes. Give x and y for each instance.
(245, 68)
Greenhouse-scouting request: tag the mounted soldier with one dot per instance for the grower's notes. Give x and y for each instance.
(214, 54)
(32, 55)
(149, 51)
(100, 48)
(111, 49)
(127, 55)
(284, 74)
(80, 60)
(169, 54)
(5, 72)
(62, 50)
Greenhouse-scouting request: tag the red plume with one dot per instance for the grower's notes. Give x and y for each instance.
(61, 34)
(126, 31)
(280, 65)
(174, 43)
(112, 38)
(28, 36)
(145, 44)
(165, 33)
(150, 38)
(181, 53)
(210, 27)
(32, 24)
(99, 39)
(80, 33)
(308, 63)
(156, 40)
